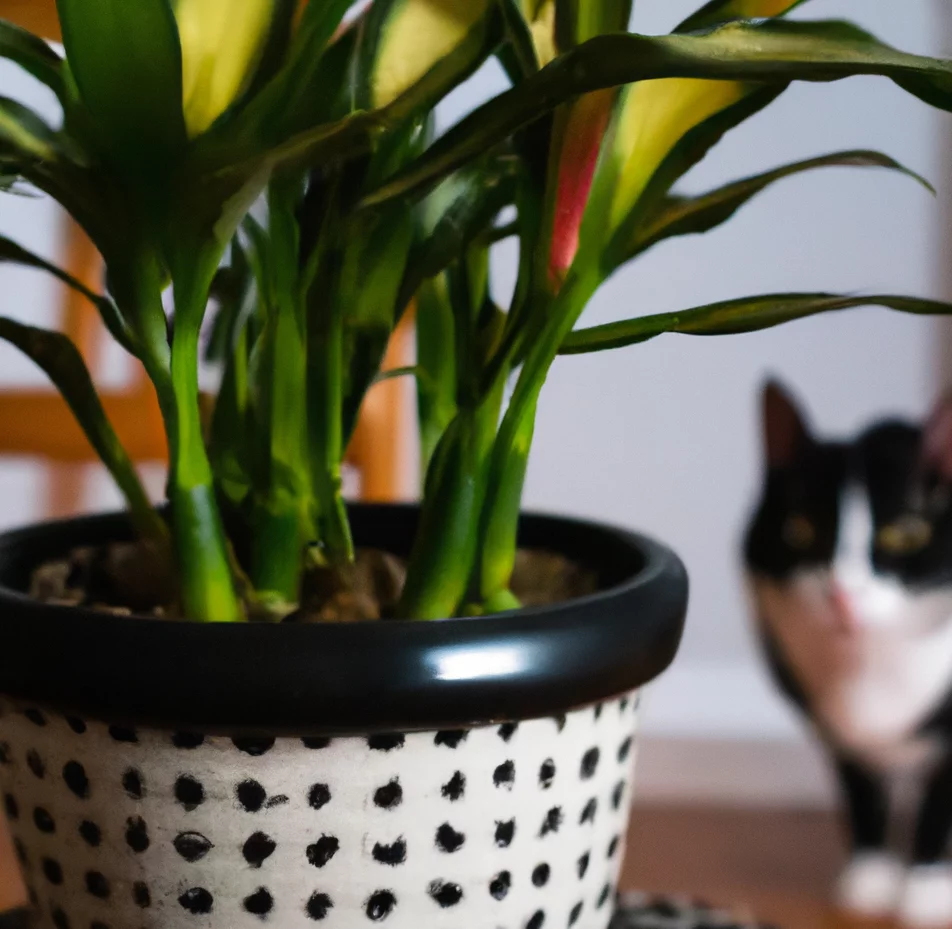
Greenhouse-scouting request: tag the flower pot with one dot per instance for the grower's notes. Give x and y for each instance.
(463, 774)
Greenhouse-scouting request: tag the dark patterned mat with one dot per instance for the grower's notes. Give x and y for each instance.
(635, 911)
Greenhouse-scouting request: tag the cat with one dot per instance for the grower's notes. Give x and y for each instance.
(849, 561)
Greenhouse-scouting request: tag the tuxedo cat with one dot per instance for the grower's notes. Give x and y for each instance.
(849, 556)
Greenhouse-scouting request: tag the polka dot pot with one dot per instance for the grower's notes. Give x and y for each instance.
(512, 826)
(471, 773)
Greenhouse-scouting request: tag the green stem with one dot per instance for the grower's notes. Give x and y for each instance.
(325, 379)
(441, 564)
(500, 517)
(208, 592)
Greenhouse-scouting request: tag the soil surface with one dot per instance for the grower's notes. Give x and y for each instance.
(129, 578)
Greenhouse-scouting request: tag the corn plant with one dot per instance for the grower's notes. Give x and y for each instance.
(276, 160)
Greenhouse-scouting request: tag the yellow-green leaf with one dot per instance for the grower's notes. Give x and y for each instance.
(654, 116)
(721, 11)
(415, 36)
(221, 44)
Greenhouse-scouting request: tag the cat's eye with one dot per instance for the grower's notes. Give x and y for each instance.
(798, 532)
(905, 536)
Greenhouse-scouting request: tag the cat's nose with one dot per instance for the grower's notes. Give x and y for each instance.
(843, 609)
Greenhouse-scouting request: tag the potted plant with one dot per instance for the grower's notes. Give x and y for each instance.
(287, 729)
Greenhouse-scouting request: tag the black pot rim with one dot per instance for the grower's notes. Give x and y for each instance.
(314, 679)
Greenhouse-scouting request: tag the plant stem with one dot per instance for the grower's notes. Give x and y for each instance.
(500, 517)
(441, 565)
(208, 592)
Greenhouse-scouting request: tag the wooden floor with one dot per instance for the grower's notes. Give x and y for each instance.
(775, 865)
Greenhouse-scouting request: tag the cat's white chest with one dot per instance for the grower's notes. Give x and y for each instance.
(873, 688)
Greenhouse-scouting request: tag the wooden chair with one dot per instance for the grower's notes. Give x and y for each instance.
(37, 424)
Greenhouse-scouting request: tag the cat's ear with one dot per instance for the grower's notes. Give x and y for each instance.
(937, 439)
(785, 429)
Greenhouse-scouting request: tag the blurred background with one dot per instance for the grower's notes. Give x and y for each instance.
(664, 437)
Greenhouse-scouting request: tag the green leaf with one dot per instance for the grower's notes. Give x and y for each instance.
(414, 51)
(32, 54)
(718, 12)
(61, 361)
(775, 51)
(577, 21)
(436, 385)
(127, 63)
(17, 254)
(730, 317)
(518, 55)
(457, 213)
(24, 134)
(676, 216)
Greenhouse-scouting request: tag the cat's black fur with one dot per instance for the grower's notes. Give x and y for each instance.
(904, 471)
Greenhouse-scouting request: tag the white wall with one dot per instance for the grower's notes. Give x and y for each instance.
(663, 436)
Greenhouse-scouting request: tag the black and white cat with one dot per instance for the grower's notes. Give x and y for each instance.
(849, 556)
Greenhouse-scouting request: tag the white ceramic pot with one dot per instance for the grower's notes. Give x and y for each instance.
(516, 826)
(463, 774)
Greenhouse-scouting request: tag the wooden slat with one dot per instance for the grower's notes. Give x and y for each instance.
(38, 423)
(38, 16)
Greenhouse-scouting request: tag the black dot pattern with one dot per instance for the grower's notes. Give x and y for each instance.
(392, 854)
(552, 821)
(505, 775)
(52, 871)
(141, 895)
(318, 906)
(254, 745)
(389, 796)
(137, 834)
(321, 851)
(197, 900)
(319, 796)
(455, 787)
(192, 846)
(43, 821)
(258, 848)
(189, 792)
(499, 886)
(90, 833)
(451, 738)
(505, 832)
(74, 774)
(123, 734)
(133, 783)
(381, 905)
(386, 742)
(35, 716)
(316, 743)
(446, 894)
(187, 740)
(60, 919)
(540, 875)
(97, 885)
(563, 778)
(251, 796)
(260, 903)
(448, 839)
(537, 921)
(35, 763)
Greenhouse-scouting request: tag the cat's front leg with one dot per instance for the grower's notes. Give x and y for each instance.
(870, 885)
(927, 897)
